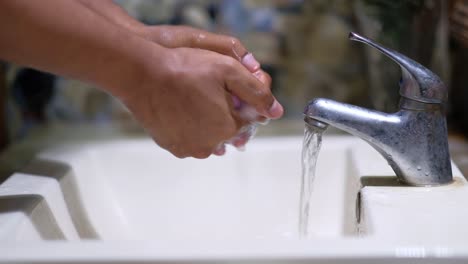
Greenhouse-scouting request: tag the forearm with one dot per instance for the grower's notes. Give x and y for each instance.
(65, 38)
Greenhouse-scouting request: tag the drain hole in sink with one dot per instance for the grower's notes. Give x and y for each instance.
(358, 209)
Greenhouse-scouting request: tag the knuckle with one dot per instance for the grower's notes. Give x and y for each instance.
(176, 151)
(179, 155)
(263, 95)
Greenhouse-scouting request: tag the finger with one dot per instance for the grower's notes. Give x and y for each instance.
(225, 45)
(238, 104)
(183, 36)
(240, 82)
(250, 62)
(263, 77)
(240, 141)
(220, 150)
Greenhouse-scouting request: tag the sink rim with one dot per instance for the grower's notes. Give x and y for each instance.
(234, 249)
(274, 250)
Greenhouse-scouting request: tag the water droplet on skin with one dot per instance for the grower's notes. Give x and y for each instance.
(200, 37)
(419, 168)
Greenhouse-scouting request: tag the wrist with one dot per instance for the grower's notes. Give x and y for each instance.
(127, 71)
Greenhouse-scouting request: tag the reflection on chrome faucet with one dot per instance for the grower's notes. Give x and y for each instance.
(412, 140)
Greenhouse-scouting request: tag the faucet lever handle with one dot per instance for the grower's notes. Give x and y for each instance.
(417, 83)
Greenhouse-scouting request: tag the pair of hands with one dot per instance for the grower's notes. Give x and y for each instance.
(188, 88)
(190, 98)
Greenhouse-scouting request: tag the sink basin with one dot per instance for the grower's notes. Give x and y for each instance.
(129, 200)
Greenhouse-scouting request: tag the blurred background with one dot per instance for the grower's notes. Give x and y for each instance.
(302, 44)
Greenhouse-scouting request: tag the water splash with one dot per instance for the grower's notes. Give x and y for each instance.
(310, 149)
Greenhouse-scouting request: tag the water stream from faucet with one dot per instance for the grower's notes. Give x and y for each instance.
(310, 149)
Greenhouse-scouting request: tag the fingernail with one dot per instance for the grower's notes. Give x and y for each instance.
(276, 110)
(250, 62)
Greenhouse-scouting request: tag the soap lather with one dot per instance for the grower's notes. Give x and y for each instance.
(246, 133)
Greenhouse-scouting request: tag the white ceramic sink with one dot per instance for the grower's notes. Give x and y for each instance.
(128, 200)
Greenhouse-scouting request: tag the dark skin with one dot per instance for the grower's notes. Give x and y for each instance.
(178, 82)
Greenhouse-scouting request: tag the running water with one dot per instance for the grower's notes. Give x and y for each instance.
(310, 150)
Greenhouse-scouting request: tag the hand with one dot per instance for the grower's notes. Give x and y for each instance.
(183, 36)
(182, 96)
(188, 37)
(187, 107)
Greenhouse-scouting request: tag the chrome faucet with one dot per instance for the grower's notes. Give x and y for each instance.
(412, 140)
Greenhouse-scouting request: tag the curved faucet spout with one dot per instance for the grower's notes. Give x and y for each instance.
(413, 142)
(350, 118)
